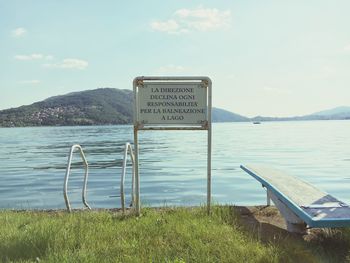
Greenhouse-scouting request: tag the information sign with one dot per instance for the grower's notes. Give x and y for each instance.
(172, 103)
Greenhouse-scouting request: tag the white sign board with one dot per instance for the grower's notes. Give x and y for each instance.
(171, 103)
(161, 103)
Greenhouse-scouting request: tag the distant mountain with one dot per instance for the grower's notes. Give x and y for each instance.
(92, 107)
(342, 112)
(339, 113)
(220, 115)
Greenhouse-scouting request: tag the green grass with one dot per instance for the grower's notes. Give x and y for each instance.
(165, 235)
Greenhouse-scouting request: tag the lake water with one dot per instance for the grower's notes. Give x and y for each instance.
(172, 163)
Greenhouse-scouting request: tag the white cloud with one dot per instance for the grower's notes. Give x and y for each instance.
(19, 32)
(29, 57)
(69, 63)
(170, 26)
(33, 57)
(170, 69)
(199, 19)
(32, 82)
(205, 19)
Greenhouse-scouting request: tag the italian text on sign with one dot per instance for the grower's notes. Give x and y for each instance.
(172, 104)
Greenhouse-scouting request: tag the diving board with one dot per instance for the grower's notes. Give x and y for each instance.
(300, 203)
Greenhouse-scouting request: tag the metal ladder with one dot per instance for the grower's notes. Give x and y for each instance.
(127, 149)
(65, 186)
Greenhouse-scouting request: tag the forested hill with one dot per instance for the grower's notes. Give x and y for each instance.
(92, 107)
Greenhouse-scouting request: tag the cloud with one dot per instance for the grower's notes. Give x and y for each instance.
(205, 19)
(170, 69)
(32, 82)
(69, 63)
(33, 57)
(170, 26)
(199, 19)
(29, 57)
(19, 32)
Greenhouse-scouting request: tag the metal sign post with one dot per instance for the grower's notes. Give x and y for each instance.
(172, 103)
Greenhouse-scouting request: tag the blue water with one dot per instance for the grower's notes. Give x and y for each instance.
(172, 163)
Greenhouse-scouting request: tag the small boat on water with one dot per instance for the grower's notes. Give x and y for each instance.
(256, 122)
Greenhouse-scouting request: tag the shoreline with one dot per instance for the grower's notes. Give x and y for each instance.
(252, 216)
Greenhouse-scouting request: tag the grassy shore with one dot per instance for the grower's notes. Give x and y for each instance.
(159, 235)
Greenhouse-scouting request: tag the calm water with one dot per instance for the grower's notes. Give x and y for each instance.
(172, 164)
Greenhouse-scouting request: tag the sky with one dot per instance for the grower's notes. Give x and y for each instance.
(265, 57)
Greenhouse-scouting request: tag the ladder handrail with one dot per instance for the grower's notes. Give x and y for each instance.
(65, 186)
(128, 148)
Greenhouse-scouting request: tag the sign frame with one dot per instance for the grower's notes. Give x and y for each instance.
(138, 83)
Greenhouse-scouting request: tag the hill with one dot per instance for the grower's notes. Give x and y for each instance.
(220, 115)
(338, 113)
(342, 112)
(92, 107)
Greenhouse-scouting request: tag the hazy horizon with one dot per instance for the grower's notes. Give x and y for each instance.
(268, 58)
